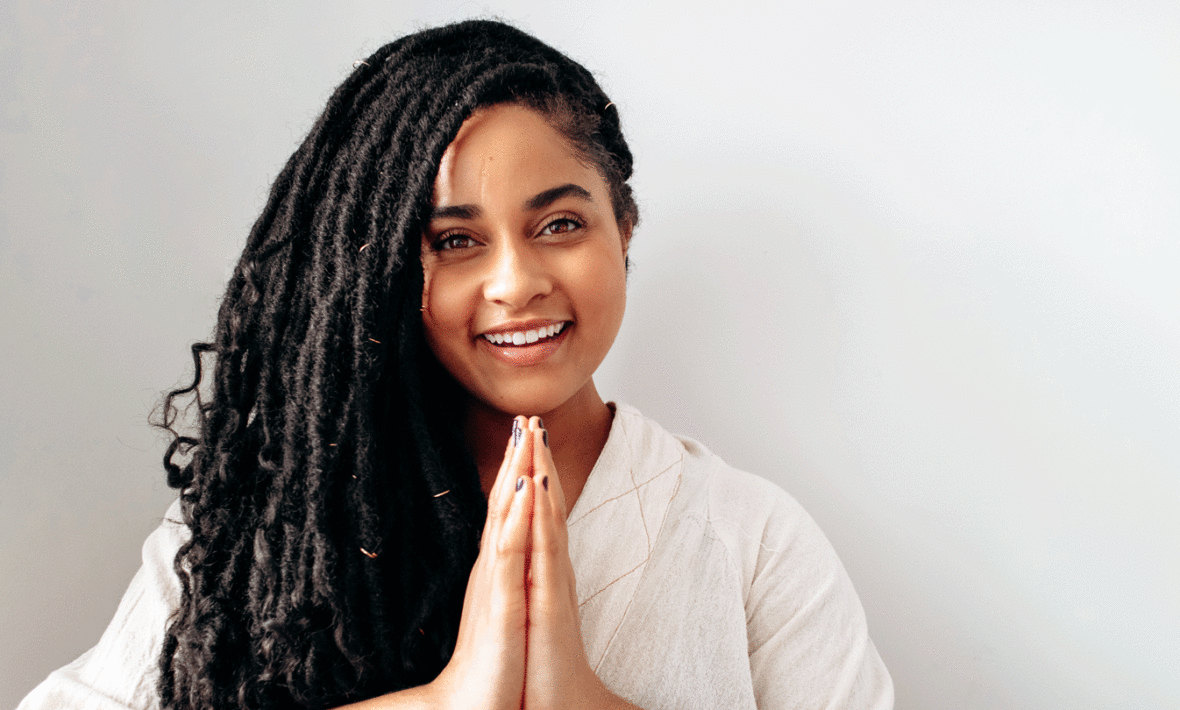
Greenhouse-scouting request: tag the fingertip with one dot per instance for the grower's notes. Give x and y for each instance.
(516, 524)
(542, 456)
(522, 493)
(518, 427)
(521, 438)
(544, 500)
(510, 448)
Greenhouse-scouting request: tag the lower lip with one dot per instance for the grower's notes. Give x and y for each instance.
(522, 355)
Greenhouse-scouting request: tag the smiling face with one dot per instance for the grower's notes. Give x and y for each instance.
(525, 283)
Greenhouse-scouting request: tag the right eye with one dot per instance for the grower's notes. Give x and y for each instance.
(454, 241)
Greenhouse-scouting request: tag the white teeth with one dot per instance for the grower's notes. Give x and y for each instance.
(526, 337)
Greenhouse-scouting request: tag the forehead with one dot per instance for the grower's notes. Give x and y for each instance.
(508, 153)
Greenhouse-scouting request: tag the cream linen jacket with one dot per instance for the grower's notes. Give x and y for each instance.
(699, 586)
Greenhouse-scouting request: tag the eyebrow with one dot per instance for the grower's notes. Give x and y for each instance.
(536, 202)
(548, 197)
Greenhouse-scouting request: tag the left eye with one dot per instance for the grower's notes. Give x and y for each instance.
(561, 226)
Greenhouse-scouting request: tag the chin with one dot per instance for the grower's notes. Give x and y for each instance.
(538, 400)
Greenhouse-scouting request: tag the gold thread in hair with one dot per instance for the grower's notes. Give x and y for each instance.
(363, 247)
(612, 103)
(374, 341)
(370, 555)
(440, 495)
(359, 62)
(331, 444)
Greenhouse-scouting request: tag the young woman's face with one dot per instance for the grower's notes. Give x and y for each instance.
(525, 282)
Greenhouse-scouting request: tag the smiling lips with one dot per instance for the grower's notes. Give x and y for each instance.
(525, 347)
(524, 337)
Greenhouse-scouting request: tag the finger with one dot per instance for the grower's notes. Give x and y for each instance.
(548, 541)
(512, 550)
(514, 468)
(494, 492)
(500, 497)
(560, 569)
(543, 466)
(510, 451)
(539, 570)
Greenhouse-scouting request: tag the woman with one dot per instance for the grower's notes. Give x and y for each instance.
(368, 517)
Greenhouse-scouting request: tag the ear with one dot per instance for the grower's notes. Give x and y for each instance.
(625, 230)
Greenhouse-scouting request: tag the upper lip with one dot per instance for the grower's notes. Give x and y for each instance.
(523, 326)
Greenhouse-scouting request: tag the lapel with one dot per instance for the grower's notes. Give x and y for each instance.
(616, 521)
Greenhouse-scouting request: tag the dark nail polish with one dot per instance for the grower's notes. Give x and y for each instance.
(545, 482)
(545, 437)
(516, 432)
(540, 423)
(519, 484)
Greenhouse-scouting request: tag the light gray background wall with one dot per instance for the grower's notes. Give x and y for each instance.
(914, 261)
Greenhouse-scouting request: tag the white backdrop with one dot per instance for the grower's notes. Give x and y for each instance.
(915, 262)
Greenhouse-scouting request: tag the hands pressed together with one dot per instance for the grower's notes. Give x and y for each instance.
(520, 642)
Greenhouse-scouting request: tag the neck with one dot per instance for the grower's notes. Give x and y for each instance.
(578, 430)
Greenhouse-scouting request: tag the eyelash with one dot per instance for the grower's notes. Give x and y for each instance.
(441, 243)
(578, 224)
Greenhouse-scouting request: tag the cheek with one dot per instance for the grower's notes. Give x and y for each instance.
(604, 287)
(444, 313)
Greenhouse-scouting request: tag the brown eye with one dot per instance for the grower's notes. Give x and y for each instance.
(561, 226)
(454, 241)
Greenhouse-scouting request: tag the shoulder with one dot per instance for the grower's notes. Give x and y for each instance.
(707, 484)
(749, 548)
(161, 546)
(755, 520)
(764, 529)
(805, 626)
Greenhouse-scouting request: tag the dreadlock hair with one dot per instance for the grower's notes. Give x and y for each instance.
(324, 565)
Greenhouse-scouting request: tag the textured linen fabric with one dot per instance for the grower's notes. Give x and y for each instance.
(705, 587)
(699, 586)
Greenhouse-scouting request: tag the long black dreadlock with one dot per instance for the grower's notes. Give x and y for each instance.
(323, 567)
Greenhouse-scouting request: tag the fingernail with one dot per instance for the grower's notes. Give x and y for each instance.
(516, 432)
(540, 423)
(545, 482)
(520, 484)
(545, 437)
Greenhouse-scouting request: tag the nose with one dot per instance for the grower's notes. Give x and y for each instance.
(516, 275)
